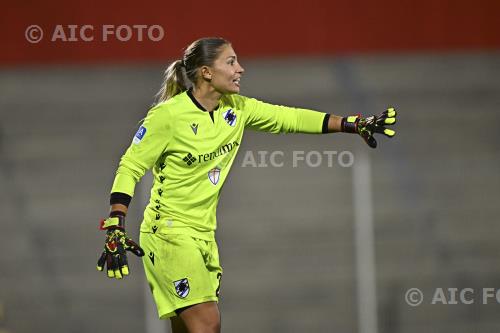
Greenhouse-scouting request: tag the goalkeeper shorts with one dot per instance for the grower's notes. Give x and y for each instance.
(181, 270)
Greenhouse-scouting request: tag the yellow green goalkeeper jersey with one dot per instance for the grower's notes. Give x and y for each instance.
(190, 152)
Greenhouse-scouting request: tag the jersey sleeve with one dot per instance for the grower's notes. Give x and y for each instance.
(272, 118)
(148, 144)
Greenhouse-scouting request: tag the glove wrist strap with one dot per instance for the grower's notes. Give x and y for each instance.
(116, 220)
(350, 124)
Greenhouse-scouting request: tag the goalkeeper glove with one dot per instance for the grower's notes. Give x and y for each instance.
(366, 127)
(116, 244)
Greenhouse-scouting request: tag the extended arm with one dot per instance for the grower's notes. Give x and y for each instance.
(276, 119)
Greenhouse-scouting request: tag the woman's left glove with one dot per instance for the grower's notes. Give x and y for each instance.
(115, 246)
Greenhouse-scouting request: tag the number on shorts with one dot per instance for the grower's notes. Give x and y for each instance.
(219, 276)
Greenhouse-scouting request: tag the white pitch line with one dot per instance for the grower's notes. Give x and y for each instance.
(364, 242)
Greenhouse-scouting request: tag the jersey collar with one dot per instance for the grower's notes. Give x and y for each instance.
(198, 105)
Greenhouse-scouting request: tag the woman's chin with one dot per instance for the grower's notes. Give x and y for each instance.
(232, 91)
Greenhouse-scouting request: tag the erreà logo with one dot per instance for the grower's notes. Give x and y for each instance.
(214, 175)
(230, 117)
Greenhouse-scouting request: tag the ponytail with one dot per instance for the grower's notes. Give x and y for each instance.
(182, 74)
(175, 81)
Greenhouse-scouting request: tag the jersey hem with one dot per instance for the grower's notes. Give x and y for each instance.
(170, 312)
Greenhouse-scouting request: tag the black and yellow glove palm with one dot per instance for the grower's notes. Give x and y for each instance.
(367, 127)
(116, 244)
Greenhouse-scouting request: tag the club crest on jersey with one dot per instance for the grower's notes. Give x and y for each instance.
(230, 117)
(139, 135)
(214, 175)
(182, 287)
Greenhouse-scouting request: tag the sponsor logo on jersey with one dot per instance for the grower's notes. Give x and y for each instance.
(189, 159)
(152, 257)
(139, 135)
(230, 117)
(222, 150)
(182, 287)
(214, 175)
(194, 127)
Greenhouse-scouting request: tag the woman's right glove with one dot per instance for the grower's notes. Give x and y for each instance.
(366, 127)
(115, 246)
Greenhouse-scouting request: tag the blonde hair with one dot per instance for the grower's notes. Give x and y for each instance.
(182, 74)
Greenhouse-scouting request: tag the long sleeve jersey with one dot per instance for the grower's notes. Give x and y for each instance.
(190, 152)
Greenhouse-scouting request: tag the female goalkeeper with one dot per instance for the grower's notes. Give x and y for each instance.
(190, 139)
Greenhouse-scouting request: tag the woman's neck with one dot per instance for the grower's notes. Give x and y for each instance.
(207, 97)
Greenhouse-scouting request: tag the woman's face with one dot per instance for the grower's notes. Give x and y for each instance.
(226, 72)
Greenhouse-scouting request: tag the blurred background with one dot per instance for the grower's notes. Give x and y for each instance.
(317, 245)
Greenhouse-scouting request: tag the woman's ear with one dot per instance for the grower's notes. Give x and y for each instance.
(206, 73)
